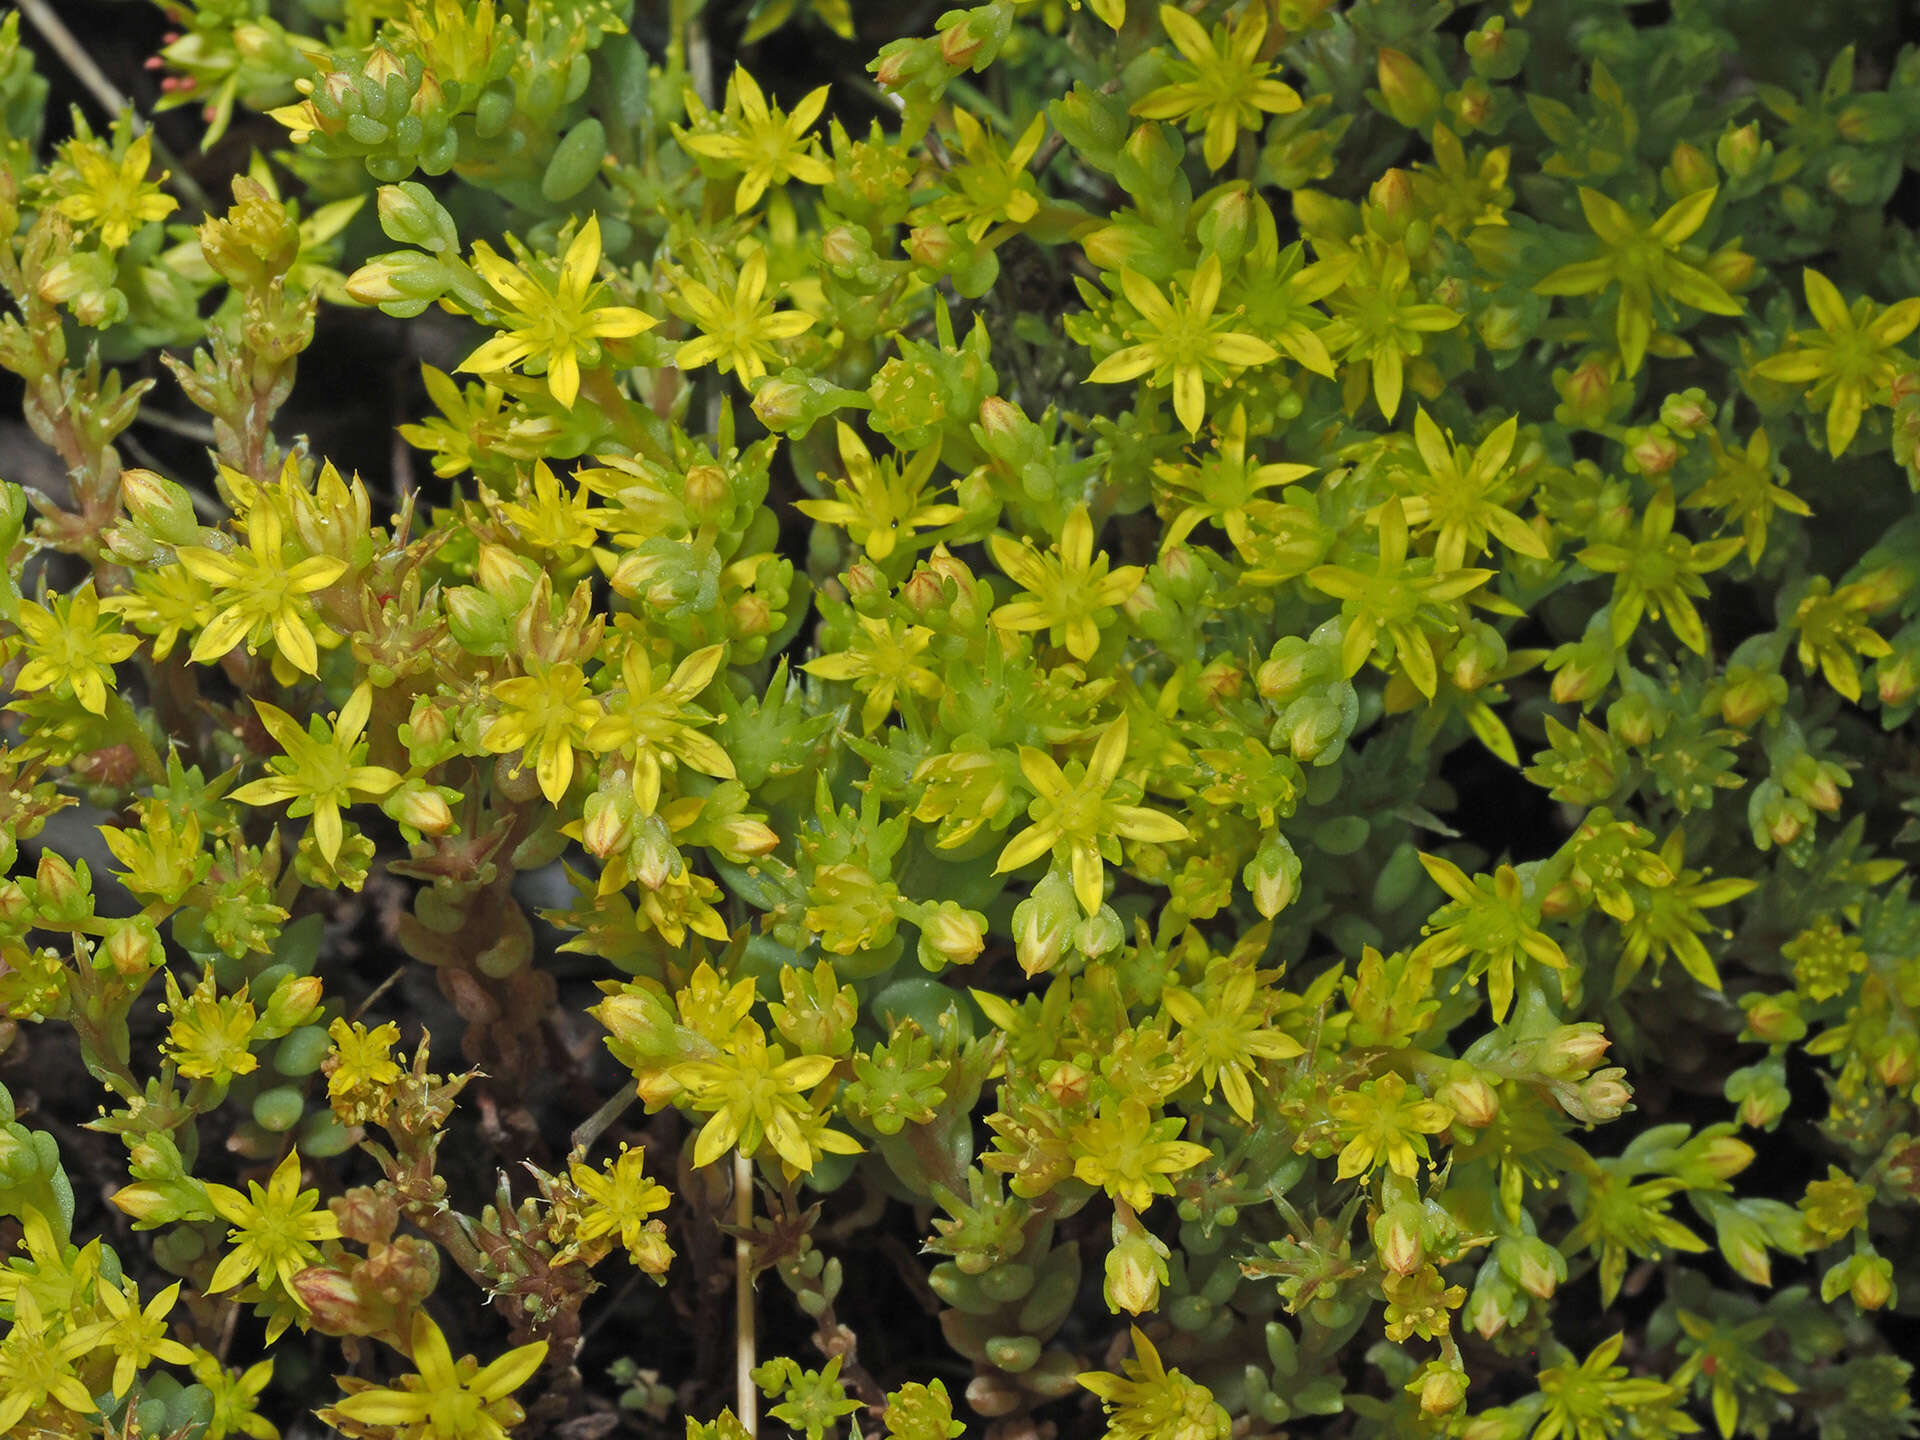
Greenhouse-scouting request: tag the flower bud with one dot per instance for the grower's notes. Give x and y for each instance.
(949, 566)
(1882, 588)
(1441, 1388)
(1606, 1096)
(1688, 413)
(1042, 923)
(924, 593)
(1397, 1239)
(1228, 226)
(1690, 170)
(365, 1216)
(1537, 1267)
(1001, 419)
(896, 65)
(1471, 104)
(1895, 1066)
(334, 1302)
(1068, 1084)
(638, 1018)
(1144, 606)
(1392, 199)
(1588, 393)
(960, 44)
(295, 1002)
(1635, 720)
(1815, 781)
(132, 947)
(1583, 676)
(1099, 933)
(1183, 572)
(1750, 695)
(411, 215)
(1113, 247)
(1407, 92)
(1744, 1244)
(1489, 1306)
(606, 825)
(148, 1203)
(1272, 877)
(160, 507)
(505, 574)
(1467, 1093)
(1722, 1157)
(1311, 724)
(1563, 901)
(1786, 821)
(62, 899)
(1653, 454)
(143, 1200)
(932, 246)
(780, 404)
(1897, 677)
(1221, 681)
(1732, 267)
(1136, 1268)
(1740, 149)
(418, 806)
(81, 281)
(742, 838)
(655, 858)
(1762, 1106)
(707, 493)
(657, 1089)
(750, 616)
(843, 249)
(1289, 671)
(865, 583)
(1572, 1049)
(401, 278)
(951, 935)
(1872, 1286)
(1473, 660)
(1496, 51)
(1870, 119)
(1503, 327)
(477, 621)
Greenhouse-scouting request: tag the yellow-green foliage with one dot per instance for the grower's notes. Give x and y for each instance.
(1197, 717)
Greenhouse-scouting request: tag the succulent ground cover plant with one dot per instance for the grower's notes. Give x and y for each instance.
(806, 718)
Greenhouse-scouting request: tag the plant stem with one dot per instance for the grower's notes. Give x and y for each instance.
(595, 1125)
(746, 1401)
